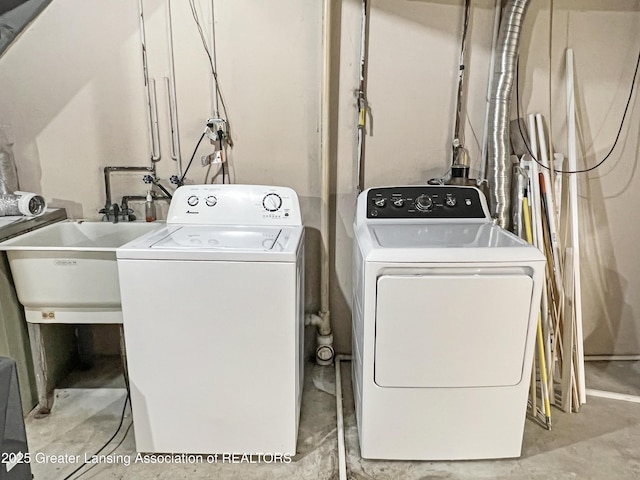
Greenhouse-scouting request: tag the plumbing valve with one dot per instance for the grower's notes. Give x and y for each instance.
(147, 179)
(174, 179)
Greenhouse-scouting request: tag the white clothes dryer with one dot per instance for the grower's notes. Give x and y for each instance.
(213, 318)
(445, 305)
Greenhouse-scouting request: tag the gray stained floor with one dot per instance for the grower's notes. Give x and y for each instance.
(600, 442)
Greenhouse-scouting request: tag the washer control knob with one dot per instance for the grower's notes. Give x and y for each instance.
(380, 202)
(450, 200)
(211, 201)
(272, 202)
(193, 200)
(424, 203)
(398, 202)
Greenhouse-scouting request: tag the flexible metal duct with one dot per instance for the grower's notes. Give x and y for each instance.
(498, 145)
(22, 203)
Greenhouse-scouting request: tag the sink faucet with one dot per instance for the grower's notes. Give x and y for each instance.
(115, 208)
(113, 211)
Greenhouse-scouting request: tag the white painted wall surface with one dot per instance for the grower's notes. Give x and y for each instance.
(606, 40)
(74, 100)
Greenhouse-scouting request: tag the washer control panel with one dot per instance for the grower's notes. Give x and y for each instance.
(429, 201)
(234, 205)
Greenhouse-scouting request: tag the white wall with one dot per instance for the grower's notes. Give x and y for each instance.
(74, 99)
(606, 40)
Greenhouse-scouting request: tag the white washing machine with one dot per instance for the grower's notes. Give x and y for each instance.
(213, 318)
(445, 305)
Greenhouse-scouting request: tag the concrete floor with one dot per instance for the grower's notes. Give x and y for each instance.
(602, 441)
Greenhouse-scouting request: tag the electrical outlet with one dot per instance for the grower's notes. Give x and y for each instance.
(216, 125)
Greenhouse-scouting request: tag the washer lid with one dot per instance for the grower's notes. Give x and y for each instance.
(217, 243)
(220, 238)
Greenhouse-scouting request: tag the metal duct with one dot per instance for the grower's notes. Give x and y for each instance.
(22, 203)
(498, 145)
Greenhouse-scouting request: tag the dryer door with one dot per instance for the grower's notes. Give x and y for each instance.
(451, 330)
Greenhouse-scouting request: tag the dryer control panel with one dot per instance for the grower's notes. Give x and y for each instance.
(428, 201)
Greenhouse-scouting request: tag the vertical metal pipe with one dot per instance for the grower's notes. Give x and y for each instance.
(498, 145)
(458, 141)
(324, 337)
(482, 173)
(214, 75)
(362, 96)
(173, 98)
(149, 84)
(325, 154)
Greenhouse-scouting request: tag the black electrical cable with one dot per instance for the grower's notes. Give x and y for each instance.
(124, 408)
(196, 19)
(193, 155)
(222, 159)
(606, 157)
(194, 13)
(126, 432)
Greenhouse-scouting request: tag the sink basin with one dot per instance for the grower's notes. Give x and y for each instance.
(67, 272)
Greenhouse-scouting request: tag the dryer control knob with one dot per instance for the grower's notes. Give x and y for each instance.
(424, 203)
(398, 202)
(211, 201)
(380, 202)
(193, 200)
(450, 200)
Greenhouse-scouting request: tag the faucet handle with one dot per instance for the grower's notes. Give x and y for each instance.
(105, 214)
(115, 209)
(127, 214)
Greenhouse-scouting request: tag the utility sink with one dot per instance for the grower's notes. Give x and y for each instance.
(67, 272)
